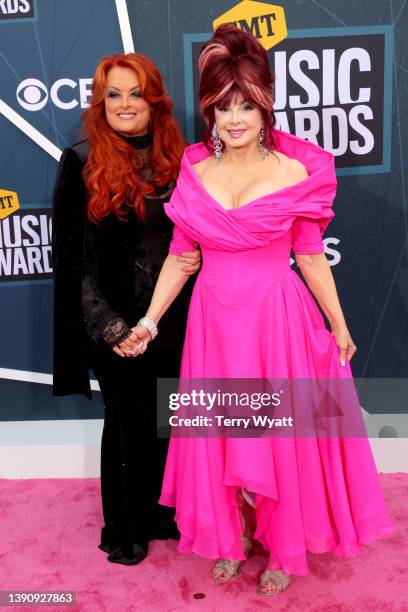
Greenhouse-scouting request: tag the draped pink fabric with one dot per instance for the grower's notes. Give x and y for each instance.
(251, 316)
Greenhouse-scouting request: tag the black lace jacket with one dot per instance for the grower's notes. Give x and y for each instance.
(104, 276)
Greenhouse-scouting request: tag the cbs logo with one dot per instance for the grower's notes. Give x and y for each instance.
(66, 94)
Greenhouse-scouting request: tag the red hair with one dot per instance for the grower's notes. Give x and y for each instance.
(111, 175)
(233, 62)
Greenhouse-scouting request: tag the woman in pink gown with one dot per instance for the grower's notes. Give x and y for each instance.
(251, 316)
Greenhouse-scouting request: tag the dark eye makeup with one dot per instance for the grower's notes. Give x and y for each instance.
(246, 106)
(114, 94)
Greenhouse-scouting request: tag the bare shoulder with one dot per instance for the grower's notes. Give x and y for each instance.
(297, 169)
(293, 167)
(203, 165)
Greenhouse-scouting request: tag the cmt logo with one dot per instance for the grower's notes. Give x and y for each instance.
(265, 21)
(16, 9)
(8, 203)
(66, 94)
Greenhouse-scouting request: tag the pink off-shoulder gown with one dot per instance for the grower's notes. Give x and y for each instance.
(251, 316)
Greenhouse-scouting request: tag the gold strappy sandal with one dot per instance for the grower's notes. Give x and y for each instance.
(225, 570)
(273, 582)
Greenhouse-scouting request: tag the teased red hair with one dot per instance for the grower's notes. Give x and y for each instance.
(110, 173)
(233, 62)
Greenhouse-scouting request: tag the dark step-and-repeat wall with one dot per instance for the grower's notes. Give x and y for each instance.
(341, 80)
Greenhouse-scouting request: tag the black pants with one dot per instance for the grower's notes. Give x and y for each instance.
(132, 457)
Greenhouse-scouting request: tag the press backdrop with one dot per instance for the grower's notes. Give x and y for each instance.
(342, 76)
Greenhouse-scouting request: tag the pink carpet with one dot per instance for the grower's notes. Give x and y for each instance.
(49, 532)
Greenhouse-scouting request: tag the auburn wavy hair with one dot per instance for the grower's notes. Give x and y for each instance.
(233, 62)
(111, 174)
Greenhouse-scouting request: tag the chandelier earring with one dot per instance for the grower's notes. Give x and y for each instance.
(217, 144)
(262, 149)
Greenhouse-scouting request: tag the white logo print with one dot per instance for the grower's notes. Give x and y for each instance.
(33, 95)
(29, 94)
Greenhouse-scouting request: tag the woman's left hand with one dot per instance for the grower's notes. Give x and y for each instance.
(191, 261)
(345, 343)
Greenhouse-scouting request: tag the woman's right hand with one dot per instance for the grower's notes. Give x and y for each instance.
(131, 346)
(136, 342)
(141, 337)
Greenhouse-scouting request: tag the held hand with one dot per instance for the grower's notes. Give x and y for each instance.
(130, 346)
(140, 337)
(345, 343)
(124, 347)
(117, 350)
(191, 261)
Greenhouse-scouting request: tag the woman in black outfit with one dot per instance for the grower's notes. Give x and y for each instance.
(110, 238)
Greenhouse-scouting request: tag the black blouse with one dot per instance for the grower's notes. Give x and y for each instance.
(124, 254)
(105, 274)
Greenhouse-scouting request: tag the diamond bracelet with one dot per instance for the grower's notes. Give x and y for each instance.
(150, 325)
